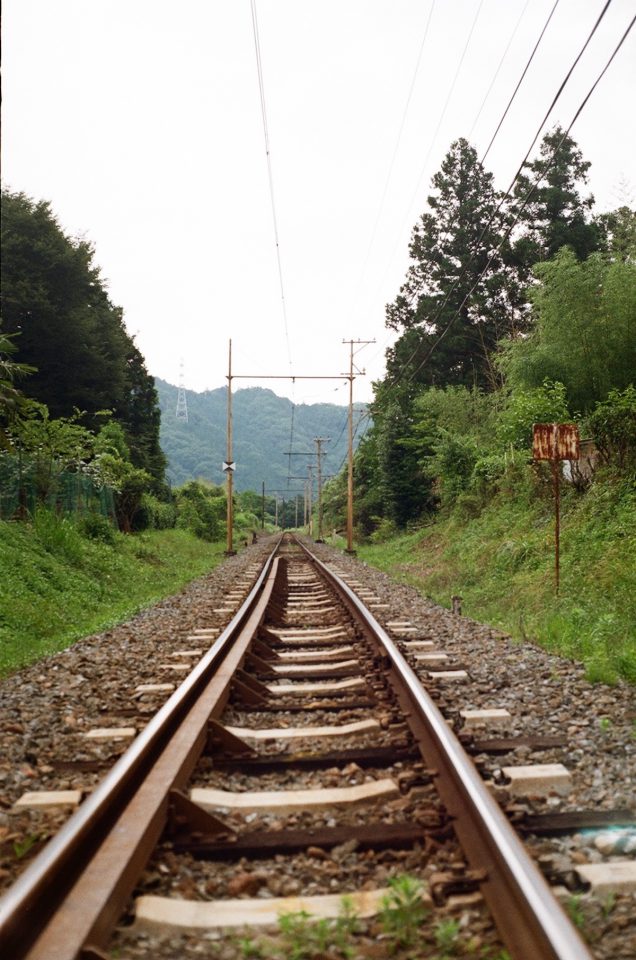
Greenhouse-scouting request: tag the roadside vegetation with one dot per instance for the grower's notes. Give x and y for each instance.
(542, 330)
(501, 562)
(60, 582)
(89, 529)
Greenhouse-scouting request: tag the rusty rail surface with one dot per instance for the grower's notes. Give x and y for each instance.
(529, 918)
(67, 901)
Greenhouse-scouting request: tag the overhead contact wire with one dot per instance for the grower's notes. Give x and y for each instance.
(433, 139)
(520, 80)
(396, 147)
(261, 87)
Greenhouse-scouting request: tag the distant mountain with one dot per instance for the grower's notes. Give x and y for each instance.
(262, 431)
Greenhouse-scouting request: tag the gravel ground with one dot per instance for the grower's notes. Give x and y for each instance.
(546, 695)
(47, 708)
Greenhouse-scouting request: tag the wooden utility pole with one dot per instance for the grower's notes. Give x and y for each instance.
(310, 499)
(319, 442)
(228, 466)
(263, 507)
(351, 377)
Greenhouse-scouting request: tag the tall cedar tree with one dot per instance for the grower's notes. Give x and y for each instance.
(444, 295)
(556, 214)
(54, 298)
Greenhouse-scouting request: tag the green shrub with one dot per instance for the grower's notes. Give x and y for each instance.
(201, 508)
(468, 505)
(544, 404)
(385, 530)
(613, 426)
(487, 471)
(58, 535)
(452, 464)
(95, 526)
(157, 514)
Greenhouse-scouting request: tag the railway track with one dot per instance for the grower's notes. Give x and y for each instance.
(371, 765)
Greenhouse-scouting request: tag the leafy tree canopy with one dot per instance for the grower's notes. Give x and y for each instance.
(70, 332)
(451, 314)
(585, 332)
(556, 214)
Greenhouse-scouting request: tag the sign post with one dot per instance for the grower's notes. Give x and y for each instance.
(556, 442)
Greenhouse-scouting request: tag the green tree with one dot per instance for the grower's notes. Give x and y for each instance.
(404, 490)
(556, 214)
(613, 426)
(453, 427)
(445, 304)
(524, 407)
(585, 330)
(367, 500)
(618, 230)
(139, 412)
(130, 485)
(51, 445)
(201, 507)
(12, 401)
(54, 297)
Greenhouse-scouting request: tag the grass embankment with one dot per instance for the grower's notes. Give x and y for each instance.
(502, 565)
(57, 586)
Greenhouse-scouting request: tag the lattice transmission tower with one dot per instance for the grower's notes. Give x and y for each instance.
(182, 403)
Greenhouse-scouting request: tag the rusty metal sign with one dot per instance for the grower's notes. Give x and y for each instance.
(555, 441)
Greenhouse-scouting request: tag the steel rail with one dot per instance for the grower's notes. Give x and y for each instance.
(530, 920)
(30, 924)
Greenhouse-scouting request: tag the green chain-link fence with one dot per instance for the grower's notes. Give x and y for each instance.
(22, 488)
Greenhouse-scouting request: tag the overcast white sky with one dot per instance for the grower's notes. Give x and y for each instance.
(139, 120)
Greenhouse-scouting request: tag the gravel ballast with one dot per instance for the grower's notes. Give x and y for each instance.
(48, 707)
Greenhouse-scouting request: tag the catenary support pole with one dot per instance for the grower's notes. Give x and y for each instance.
(351, 378)
(229, 464)
(319, 442)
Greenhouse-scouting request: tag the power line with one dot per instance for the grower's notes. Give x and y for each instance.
(520, 80)
(395, 150)
(560, 91)
(525, 70)
(499, 66)
(506, 195)
(261, 88)
(433, 139)
(533, 187)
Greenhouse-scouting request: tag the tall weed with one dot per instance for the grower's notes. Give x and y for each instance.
(58, 535)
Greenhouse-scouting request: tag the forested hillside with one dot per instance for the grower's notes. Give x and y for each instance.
(264, 425)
